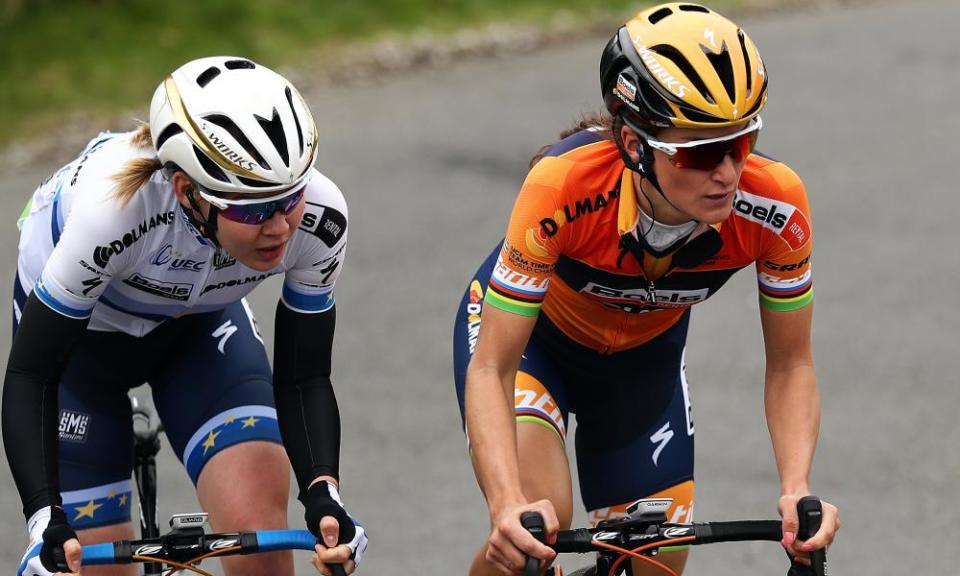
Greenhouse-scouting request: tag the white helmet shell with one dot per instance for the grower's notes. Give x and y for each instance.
(233, 126)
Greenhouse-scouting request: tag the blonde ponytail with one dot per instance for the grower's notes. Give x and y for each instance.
(137, 171)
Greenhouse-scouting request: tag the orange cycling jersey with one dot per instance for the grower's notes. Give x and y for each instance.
(572, 248)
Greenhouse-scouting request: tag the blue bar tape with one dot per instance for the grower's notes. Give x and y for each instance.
(98, 554)
(273, 540)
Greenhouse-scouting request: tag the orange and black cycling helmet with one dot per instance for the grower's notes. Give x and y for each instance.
(682, 65)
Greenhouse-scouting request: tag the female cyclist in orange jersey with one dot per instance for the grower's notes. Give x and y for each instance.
(618, 230)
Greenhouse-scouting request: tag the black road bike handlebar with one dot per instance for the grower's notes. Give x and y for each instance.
(649, 530)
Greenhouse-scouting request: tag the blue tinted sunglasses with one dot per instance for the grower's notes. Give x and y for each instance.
(255, 210)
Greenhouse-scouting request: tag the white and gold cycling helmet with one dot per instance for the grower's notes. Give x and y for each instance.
(233, 126)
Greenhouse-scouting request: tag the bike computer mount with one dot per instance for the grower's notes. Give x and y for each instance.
(642, 514)
(189, 523)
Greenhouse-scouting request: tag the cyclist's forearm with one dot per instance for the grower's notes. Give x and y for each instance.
(38, 357)
(493, 437)
(307, 410)
(793, 417)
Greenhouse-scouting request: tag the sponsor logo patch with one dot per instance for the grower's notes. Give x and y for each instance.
(73, 426)
(782, 218)
(474, 308)
(103, 254)
(328, 225)
(173, 290)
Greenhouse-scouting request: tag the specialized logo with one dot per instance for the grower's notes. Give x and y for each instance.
(224, 332)
(237, 282)
(711, 37)
(666, 79)
(172, 290)
(228, 153)
(148, 550)
(103, 254)
(73, 426)
(785, 220)
(90, 284)
(661, 438)
(329, 225)
(474, 308)
(165, 257)
(635, 299)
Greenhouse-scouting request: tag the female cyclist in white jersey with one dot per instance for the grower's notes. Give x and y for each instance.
(134, 261)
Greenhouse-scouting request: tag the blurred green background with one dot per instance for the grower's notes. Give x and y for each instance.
(65, 59)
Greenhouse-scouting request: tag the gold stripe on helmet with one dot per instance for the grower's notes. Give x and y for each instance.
(197, 137)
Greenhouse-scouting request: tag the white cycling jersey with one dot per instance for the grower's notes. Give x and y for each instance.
(130, 267)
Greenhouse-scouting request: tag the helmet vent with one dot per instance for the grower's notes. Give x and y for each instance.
(697, 116)
(724, 67)
(756, 105)
(653, 100)
(296, 119)
(255, 183)
(659, 15)
(694, 8)
(746, 58)
(209, 166)
(207, 75)
(239, 64)
(274, 130)
(168, 132)
(684, 65)
(238, 135)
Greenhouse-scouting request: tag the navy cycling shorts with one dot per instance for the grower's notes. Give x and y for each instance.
(211, 384)
(634, 435)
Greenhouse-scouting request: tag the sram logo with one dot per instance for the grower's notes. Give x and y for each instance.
(782, 218)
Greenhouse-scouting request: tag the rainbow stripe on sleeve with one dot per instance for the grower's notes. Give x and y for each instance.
(517, 292)
(785, 295)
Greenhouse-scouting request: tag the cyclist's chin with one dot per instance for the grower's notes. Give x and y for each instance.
(713, 211)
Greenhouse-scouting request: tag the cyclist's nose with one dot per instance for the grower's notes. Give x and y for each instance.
(726, 171)
(276, 224)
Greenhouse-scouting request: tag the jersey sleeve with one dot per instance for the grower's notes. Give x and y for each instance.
(93, 243)
(309, 285)
(784, 273)
(533, 242)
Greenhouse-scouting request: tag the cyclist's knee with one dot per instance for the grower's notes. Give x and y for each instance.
(246, 487)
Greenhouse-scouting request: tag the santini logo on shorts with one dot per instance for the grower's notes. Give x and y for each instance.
(783, 219)
(73, 426)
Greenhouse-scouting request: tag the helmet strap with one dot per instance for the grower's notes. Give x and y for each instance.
(643, 166)
(207, 227)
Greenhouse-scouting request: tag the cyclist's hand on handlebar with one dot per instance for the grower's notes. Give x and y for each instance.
(829, 525)
(329, 552)
(51, 537)
(510, 543)
(340, 538)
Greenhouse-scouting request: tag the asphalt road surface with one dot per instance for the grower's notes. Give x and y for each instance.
(863, 104)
